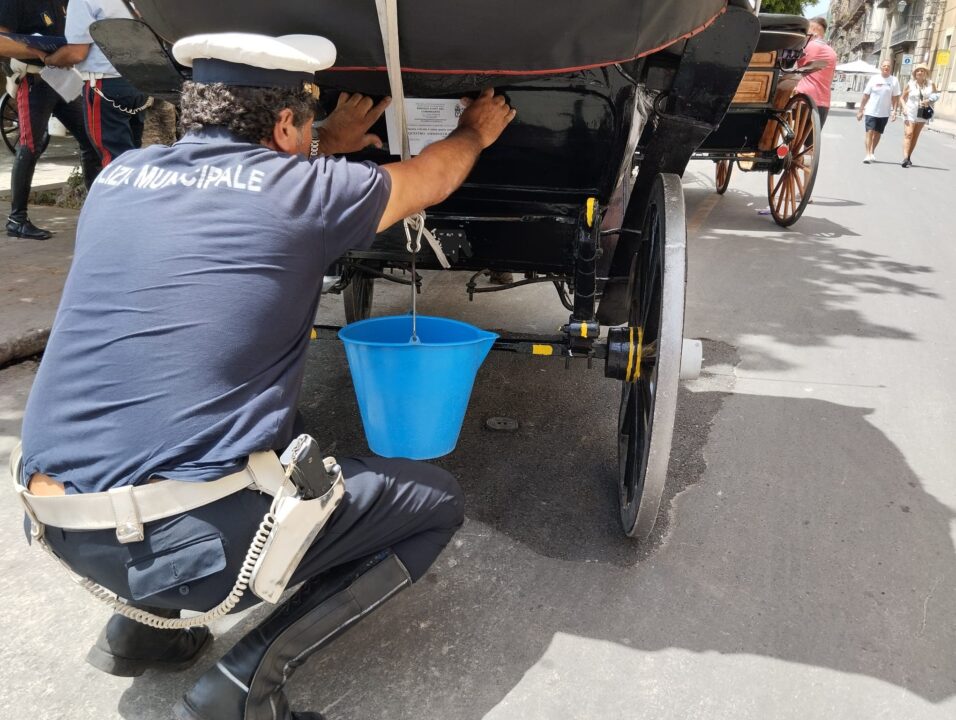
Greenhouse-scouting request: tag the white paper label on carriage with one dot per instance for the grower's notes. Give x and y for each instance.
(428, 119)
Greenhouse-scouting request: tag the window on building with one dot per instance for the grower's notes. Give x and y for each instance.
(944, 73)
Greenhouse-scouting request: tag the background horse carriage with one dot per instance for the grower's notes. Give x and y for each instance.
(555, 199)
(767, 127)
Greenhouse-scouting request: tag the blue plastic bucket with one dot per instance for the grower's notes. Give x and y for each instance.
(413, 397)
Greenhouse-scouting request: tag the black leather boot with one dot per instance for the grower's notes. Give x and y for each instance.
(26, 229)
(21, 178)
(246, 684)
(127, 648)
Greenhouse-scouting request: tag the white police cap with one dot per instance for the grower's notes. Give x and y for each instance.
(251, 60)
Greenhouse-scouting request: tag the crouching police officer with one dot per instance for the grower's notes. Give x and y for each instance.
(175, 365)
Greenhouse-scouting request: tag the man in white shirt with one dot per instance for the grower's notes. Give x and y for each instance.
(880, 98)
(115, 110)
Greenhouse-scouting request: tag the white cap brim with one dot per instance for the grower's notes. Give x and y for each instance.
(296, 53)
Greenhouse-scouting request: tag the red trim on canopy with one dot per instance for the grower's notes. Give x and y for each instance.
(555, 71)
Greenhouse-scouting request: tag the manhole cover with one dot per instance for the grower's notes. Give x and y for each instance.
(501, 424)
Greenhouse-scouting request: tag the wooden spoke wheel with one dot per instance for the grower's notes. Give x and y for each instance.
(357, 296)
(656, 326)
(9, 123)
(789, 191)
(725, 169)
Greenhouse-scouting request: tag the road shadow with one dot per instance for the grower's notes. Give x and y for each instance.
(825, 279)
(848, 568)
(823, 201)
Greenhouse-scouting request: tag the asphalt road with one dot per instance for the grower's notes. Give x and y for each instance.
(804, 562)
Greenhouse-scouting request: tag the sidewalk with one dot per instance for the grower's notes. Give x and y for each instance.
(34, 271)
(31, 282)
(946, 127)
(53, 169)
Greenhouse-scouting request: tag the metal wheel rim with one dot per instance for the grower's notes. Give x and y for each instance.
(790, 190)
(723, 172)
(649, 405)
(9, 123)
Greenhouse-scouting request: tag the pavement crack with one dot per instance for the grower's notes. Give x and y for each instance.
(929, 595)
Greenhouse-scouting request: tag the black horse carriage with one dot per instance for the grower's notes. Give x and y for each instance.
(558, 198)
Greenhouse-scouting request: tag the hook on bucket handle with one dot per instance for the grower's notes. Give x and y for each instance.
(416, 222)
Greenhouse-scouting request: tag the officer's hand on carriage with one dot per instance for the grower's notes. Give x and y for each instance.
(488, 115)
(346, 129)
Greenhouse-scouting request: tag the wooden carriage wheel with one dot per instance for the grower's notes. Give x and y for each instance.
(357, 297)
(789, 191)
(724, 169)
(649, 391)
(9, 123)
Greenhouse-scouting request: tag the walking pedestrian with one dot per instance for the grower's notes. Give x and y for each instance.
(916, 107)
(880, 97)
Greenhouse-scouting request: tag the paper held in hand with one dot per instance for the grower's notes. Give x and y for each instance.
(66, 81)
(428, 120)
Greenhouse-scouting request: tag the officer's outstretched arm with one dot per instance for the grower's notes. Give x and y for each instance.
(68, 55)
(12, 49)
(442, 167)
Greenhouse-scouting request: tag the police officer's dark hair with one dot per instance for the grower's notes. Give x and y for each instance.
(248, 113)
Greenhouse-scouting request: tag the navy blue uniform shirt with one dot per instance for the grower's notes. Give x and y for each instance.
(179, 345)
(33, 17)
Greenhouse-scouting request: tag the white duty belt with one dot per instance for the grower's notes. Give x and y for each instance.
(94, 76)
(126, 509)
(284, 535)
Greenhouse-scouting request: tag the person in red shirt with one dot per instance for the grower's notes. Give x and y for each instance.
(819, 61)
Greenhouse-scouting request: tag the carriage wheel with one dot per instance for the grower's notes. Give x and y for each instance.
(357, 297)
(789, 192)
(656, 324)
(725, 169)
(9, 123)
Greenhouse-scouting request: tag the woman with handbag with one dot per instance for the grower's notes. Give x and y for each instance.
(917, 108)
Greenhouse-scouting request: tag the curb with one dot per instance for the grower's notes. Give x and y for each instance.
(35, 190)
(951, 132)
(31, 343)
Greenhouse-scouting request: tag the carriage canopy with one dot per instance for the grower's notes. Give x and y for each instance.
(488, 37)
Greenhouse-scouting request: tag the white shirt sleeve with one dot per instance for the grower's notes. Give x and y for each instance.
(79, 15)
(868, 90)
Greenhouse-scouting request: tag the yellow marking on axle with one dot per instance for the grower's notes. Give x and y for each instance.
(640, 349)
(584, 329)
(590, 211)
(313, 335)
(630, 356)
(542, 350)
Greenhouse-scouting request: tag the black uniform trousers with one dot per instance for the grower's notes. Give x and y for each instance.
(112, 129)
(36, 101)
(191, 561)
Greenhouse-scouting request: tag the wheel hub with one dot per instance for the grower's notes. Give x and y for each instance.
(625, 346)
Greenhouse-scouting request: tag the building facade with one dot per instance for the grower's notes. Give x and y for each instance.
(905, 32)
(942, 53)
